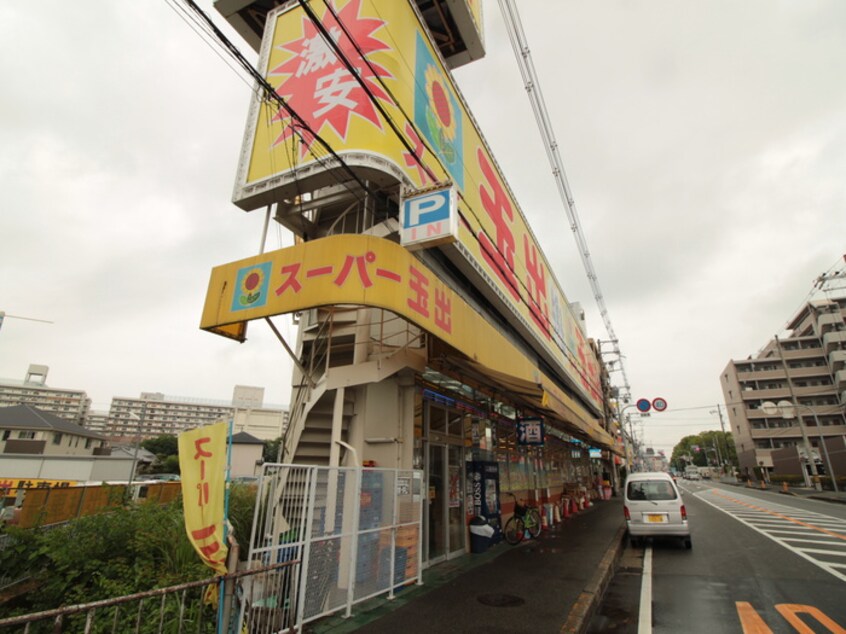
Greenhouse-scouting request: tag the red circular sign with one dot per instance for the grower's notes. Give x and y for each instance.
(659, 404)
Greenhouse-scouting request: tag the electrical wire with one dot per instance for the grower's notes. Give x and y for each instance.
(270, 94)
(570, 355)
(532, 85)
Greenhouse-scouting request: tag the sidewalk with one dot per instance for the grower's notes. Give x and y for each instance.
(838, 497)
(552, 584)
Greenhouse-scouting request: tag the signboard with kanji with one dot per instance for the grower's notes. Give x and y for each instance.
(428, 138)
(202, 463)
(530, 431)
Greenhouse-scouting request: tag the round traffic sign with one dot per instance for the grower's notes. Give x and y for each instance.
(643, 405)
(659, 404)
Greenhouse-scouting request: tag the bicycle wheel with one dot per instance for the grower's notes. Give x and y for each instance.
(533, 522)
(514, 530)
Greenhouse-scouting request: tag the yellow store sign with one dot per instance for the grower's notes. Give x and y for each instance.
(407, 124)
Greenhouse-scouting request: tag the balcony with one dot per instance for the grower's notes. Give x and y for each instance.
(829, 322)
(835, 340)
(840, 380)
(837, 360)
(760, 375)
(802, 353)
(768, 394)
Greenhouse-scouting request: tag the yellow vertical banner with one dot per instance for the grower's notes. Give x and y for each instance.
(202, 461)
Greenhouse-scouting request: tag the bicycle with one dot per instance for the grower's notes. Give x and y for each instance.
(526, 519)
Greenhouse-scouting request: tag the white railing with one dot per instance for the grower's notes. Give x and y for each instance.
(357, 532)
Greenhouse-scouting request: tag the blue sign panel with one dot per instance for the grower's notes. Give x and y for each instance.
(428, 219)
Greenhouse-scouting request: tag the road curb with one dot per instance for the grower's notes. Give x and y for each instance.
(587, 602)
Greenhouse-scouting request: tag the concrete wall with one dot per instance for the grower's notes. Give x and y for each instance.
(82, 469)
(384, 422)
(244, 459)
(261, 423)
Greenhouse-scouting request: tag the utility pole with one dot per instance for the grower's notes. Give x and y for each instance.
(723, 429)
(808, 451)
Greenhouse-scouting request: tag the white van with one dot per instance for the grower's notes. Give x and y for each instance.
(654, 507)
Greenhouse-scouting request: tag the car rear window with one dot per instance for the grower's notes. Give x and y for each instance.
(651, 490)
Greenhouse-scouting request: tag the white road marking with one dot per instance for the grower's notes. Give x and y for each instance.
(731, 504)
(644, 622)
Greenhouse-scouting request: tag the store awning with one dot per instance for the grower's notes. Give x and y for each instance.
(563, 411)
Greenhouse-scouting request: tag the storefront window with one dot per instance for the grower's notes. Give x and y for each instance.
(437, 419)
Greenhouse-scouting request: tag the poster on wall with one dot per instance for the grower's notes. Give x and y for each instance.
(454, 486)
(484, 479)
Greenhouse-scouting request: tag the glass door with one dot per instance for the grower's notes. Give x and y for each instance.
(445, 502)
(444, 521)
(436, 504)
(456, 529)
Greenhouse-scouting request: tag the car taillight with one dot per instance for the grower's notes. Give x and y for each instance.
(626, 512)
(683, 512)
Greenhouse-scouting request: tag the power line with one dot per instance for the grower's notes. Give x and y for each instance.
(532, 85)
(271, 94)
(342, 56)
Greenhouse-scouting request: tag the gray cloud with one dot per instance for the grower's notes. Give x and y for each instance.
(705, 144)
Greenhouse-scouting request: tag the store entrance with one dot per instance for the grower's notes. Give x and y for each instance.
(444, 431)
(445, 507)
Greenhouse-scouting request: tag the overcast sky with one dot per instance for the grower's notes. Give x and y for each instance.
(704, 142)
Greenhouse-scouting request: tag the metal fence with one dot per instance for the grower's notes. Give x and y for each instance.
(357, 532)
(323, 539)
(173, 610)
(44, 506)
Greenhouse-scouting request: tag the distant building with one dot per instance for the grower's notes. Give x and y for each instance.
(246, 455)
(806, 367)
(72, 405)
(97, 421)
(28, 430)
(154, 414)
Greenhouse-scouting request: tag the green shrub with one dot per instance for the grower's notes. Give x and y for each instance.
(101, 556)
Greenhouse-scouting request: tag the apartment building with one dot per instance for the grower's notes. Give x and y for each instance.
(153, 414)
(803, 373)
(71, 405)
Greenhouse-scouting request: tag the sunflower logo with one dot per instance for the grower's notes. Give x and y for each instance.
(440, 114)
(251, 286)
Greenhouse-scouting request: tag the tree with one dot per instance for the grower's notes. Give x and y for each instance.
(704, 449)
(162, 446)
(270, 453)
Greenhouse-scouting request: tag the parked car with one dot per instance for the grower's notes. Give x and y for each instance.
(654, 507)
(162, 477)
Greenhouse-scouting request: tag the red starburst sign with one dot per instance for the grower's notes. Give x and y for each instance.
(317, 84)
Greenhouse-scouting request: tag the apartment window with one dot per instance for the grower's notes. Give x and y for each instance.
(6, 434)
(88, 443)
(26, 435)
(57, 438)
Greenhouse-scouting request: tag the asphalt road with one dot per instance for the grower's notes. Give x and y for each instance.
(760, 563)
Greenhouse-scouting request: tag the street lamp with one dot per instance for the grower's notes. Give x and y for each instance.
(140, 420)
(726, 459)
(631, 436)
(786, 409)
